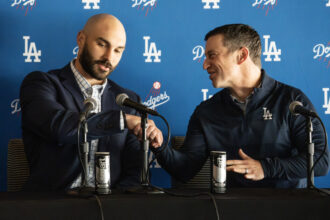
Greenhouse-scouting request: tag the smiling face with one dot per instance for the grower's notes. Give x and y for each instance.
(220, 62)
(101, 45)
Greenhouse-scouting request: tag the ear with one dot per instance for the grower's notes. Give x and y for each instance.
(81, 38)
(243, 54)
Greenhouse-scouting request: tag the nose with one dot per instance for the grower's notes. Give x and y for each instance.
(206, 64)
(108, 55)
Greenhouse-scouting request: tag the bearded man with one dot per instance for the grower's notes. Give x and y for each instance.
(51, 104)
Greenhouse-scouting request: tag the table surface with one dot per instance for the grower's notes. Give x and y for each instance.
(186, 204)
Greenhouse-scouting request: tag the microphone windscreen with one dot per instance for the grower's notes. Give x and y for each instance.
(91, 101)
(293, 105)
(121, 98)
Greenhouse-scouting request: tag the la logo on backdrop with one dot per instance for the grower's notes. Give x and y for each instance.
(209, 3)
(266, 4)
(144, 4)
(326, 105)
(31, 51)
(322, 53)
(154, 99)
(150, 50)
(328, 4)
(271, 50)
(88, 3)
(24, 5)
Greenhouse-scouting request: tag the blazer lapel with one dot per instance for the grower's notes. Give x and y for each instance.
(70, 83)
(109, 98)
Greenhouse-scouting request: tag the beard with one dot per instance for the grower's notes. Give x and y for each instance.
(90, 65)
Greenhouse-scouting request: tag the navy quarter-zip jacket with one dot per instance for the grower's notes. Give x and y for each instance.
(267, 132)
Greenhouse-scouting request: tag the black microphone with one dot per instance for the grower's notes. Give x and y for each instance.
(123, 100)
(297, 108)
(89, 105)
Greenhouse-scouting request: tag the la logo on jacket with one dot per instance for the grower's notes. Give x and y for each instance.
(267, 115)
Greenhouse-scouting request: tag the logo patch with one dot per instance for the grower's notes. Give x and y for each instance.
(207, 4)
(267, 115)
(328, 4)
(148, 4)
(31, 50)
(265, 3)
(151, 51)
(322, 53)
(271, 50)
(24, 4)
(88, 3)
(326, 101)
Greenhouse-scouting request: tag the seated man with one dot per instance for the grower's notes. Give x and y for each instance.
(249, 119)
(51, 105)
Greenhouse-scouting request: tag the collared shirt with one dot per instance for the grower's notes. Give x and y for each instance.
(89, 91)
(94, 92)
(243, 104)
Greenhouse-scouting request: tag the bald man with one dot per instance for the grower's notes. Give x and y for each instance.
(51, 104)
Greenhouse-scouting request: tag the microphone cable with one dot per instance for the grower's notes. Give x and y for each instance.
(173, 193)
(190, 195)
(165, 146)
(100, 206)
(79, 150)
(99, 203)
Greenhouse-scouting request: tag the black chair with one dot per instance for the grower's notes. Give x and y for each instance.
(18, 169)
(202, 178)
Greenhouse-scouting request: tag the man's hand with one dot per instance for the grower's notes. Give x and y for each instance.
(154, 135)
(132, 121)
(248, 166)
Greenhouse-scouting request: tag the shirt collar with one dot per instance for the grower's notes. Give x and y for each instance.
(84, 85)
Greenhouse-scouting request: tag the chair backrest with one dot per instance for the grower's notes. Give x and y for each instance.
(17, 166)
(202, 178)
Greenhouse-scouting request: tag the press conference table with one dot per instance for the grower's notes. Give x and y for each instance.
(240, 204)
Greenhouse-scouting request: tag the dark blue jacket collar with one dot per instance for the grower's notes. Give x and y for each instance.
(267, 86)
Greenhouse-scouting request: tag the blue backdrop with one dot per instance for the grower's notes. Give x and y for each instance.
(164, 52)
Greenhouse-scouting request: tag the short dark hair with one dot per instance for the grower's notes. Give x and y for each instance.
(237, 36)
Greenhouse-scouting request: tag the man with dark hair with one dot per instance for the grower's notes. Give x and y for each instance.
(249, 119)
(238, 36)
(51, 105)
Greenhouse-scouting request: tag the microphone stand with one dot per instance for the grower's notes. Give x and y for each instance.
(85, 147)
(145, 148)
(310, 154)
(84, 190)
(145, 187)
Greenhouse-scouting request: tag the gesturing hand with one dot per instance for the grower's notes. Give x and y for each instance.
(251, 168)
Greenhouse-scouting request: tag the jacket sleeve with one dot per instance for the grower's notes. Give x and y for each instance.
(48, 118)
(185, 163)
(295, 167)
(131, 157)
